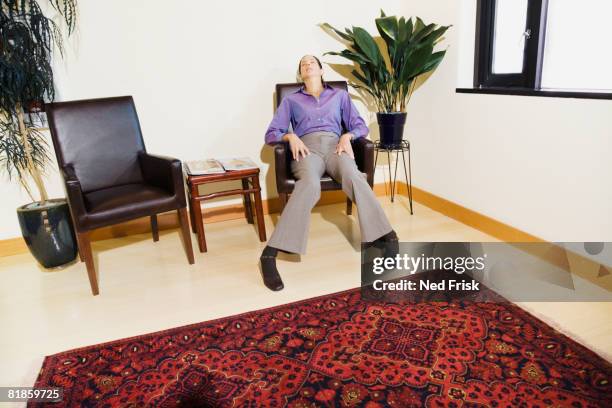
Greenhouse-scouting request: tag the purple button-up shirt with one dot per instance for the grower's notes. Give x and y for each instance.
(307, 114)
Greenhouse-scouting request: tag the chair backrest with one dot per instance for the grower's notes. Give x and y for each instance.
(100, 138)
(283, 90)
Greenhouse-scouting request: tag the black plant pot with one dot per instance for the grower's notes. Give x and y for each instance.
(47, 230)
(391, 125)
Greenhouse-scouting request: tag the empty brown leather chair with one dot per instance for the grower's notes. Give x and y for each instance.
(285, 181)
(109, 176)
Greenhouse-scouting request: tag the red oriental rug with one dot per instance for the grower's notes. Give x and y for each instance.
(341, 350)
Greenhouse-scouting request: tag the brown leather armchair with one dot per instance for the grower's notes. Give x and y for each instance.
(285, 181)
(109, 176)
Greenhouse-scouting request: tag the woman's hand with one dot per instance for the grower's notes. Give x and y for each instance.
(296, 145)
(344, 145)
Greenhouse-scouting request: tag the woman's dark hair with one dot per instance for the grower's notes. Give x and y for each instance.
(299, 72)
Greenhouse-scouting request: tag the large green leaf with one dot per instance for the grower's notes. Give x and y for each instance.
(388, 28)
(406, 29)
(361, 77)
(435, 60)
(418, 26)
(366, 43)
(419, 36)
(405, 33)
(417, 61)
(389, 31)
(350, 55)
(435, 35)
(342, 35)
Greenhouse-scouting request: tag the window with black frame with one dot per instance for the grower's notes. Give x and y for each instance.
(544, 48)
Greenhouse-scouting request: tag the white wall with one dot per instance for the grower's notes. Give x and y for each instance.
(539, 164)
(202, 75)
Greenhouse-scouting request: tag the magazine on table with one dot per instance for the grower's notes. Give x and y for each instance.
(214, 166)
(238, 163)
(200, 167)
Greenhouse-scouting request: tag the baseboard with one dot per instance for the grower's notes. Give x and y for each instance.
(481, 222)
(12, 246)
(474, 219)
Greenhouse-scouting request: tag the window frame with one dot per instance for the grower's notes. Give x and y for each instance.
(530, 81)
(531, 75)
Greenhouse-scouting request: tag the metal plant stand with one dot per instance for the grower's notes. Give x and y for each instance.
(404, 146)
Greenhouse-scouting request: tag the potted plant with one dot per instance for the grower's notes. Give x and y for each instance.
(28, 38)
(388, 69)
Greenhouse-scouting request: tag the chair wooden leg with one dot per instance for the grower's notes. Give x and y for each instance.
(154, 228)
(85, 249)
(192, 215)
(261, 225)
(80, 247)
(192, 221)
(184, 222)
(349, 206)
(283, 201)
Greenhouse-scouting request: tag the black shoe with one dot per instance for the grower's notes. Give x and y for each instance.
(269, 273)
(389, 237)
(380, 241)
(389, 243)
(391, 248)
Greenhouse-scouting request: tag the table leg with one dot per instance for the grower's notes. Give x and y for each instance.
(199, 222)
(261, 225)
(191, 214)
(248, 207)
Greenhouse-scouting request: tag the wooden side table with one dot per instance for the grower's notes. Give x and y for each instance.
(250, 185)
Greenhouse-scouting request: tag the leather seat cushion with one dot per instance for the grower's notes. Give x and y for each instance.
(108, 206)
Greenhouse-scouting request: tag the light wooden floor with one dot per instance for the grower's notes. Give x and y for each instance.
(146, 286)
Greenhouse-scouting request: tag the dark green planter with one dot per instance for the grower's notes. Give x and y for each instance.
(47, 230)
(391, 125)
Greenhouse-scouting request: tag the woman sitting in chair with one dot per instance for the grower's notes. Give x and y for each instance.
(316, 113)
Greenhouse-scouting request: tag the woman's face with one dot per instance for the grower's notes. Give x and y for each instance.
(309, 68)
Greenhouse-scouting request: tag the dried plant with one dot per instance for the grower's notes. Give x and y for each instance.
(28, 39)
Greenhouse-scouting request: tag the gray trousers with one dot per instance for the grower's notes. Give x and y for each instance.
(291, 231)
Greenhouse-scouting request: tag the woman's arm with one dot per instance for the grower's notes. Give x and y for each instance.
(280, 123)
(351, 118)
(279, 131)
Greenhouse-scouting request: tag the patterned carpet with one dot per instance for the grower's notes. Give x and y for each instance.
(341, 350)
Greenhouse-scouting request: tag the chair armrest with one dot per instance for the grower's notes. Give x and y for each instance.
(282, 162)
(364, 156)
(74, 193)
(163, 172)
